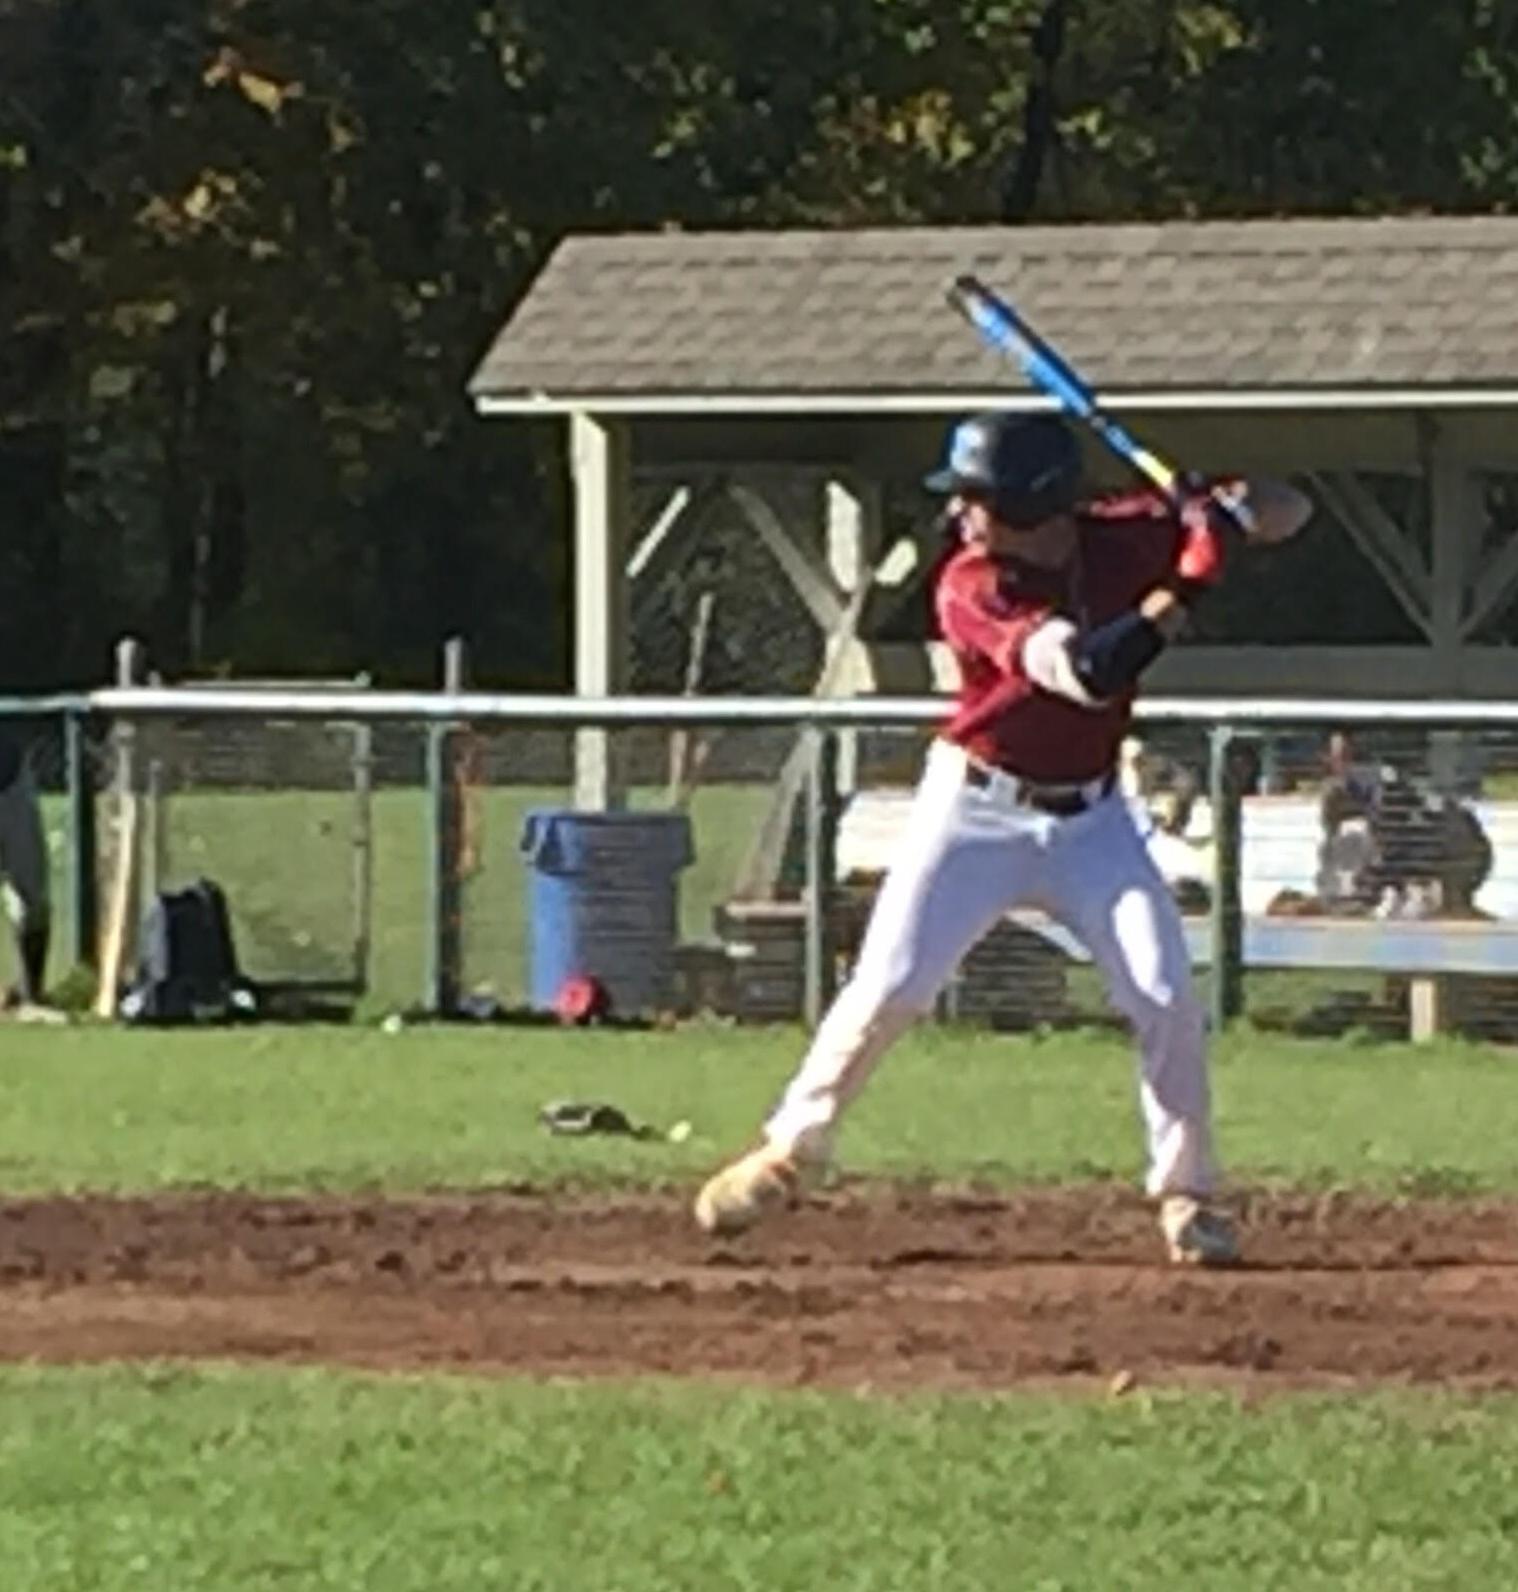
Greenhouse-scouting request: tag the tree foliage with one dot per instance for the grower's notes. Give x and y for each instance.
(251, 249)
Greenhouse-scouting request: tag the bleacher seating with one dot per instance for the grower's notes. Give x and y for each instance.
(1281, 837)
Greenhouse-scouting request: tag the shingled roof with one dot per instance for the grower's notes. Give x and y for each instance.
(1316, 311)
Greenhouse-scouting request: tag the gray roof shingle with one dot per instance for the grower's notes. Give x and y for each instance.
(1175, 307)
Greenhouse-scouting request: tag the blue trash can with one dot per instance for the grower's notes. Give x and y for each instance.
(603, 902)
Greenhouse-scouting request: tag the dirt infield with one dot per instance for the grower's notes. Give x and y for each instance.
(865, 1286)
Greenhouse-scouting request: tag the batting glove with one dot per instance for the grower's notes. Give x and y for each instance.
(1202, 553)
(1210, 516)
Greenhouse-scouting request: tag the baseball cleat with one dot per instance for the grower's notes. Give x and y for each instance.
(1196, 1234)
(749, 1189)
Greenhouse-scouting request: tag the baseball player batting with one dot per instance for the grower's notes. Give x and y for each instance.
(1053, 608)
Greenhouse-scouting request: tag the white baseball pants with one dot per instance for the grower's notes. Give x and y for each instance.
(968, 856)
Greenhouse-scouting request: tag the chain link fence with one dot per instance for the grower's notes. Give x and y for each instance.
(714, 614)
(1335, 873)
(283, 815)
(1376, 867)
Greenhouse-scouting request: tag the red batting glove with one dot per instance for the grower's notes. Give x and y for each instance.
(1202, 553)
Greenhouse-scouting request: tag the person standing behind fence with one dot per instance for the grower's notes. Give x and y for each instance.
(24, 872)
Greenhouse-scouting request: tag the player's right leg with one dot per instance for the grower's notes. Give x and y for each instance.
(958, 867)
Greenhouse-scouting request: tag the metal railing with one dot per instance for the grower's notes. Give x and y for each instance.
(836, 712)
(417, 777)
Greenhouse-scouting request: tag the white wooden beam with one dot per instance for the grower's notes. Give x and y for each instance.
(671, 534)
(600, 462)
(853, 522)
(1395, 556)
(1493, 584)
(803, 566)
(659, 528)
(760, 874)
(863, 402)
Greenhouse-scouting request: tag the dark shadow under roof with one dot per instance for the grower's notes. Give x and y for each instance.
(1265, 312)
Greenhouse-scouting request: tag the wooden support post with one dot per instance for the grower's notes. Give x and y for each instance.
(363, 852)
(1227, 991)
(445, 962)
(121, 908)
(819, 951)
(600, 458)
(1455, 527)
(1427, 1008)
(853, 524)
(83, 843)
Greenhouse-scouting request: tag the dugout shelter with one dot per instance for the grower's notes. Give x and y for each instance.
(802, 381)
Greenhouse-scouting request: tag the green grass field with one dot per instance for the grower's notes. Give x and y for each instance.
(228, 1478)
(352, 1108)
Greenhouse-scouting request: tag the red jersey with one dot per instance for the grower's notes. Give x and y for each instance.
(988, 607)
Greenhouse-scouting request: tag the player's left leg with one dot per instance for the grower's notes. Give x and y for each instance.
(1106, 888)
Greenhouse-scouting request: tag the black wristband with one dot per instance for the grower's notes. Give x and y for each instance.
(1111, 657)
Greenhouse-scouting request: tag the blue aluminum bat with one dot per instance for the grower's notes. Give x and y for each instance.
(1007, 332)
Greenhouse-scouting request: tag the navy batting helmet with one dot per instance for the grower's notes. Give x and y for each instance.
(1027, 467)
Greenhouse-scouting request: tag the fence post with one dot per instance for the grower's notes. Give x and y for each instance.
(820, 951)
(446, 809)
(155, 838)
(1227, 915)
(84, 892)
(363, 848)
(119, 932)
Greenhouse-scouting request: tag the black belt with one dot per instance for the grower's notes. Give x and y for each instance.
(1060, 801)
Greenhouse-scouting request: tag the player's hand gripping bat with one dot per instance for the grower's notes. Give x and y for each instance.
(1007, 332)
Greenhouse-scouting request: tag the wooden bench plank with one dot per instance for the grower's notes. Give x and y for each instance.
(1340, 944)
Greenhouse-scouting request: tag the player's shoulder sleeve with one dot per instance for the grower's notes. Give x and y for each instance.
(956, 582)
(972, 582)
(980, 610)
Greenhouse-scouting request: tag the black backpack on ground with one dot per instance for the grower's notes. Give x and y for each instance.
(187, 968)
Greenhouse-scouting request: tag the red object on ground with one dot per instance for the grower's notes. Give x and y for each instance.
(581, 999)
